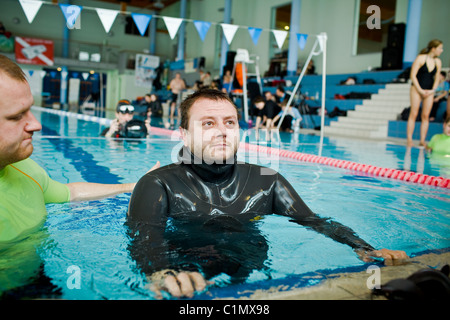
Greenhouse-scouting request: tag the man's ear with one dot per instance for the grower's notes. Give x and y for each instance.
(185, 135)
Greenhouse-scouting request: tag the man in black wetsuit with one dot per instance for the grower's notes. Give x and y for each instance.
(196, 218)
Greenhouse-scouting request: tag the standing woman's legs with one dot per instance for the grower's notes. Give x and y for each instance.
(415, 100)
(427, 105)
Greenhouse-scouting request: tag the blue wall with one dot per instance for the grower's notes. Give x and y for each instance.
(397, 129)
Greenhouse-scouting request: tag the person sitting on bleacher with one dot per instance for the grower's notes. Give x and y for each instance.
(281, 95)
(440, 95)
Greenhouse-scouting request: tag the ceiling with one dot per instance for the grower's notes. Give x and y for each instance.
(156, 5)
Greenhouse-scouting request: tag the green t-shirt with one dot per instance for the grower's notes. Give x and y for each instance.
(25, 188)
(440, 143)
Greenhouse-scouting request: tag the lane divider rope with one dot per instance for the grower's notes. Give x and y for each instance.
(354, 166)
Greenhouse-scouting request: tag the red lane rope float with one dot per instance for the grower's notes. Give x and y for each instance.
(349, 165)
(344, 164)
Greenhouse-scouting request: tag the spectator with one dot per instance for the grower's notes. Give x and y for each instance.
(440, 96)
(154, 108)
(267, 110)
(292, 116)
(227, 82)
(177, 85)
(424, 82)
(281, 95)
(206, 79)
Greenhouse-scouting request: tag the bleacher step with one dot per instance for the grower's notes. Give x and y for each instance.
(362, 126)
(370, 119)
(357, 133)
(360, 120)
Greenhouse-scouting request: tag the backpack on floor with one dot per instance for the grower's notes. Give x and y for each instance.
(426, 284)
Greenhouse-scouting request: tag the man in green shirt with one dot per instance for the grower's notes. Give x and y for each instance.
(25, 187)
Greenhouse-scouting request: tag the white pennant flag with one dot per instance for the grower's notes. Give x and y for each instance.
(280, 36)
(107, 17)
(229, 30)
(31, 8)
(172, 24)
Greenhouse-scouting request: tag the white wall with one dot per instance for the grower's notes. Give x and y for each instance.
(335, 17)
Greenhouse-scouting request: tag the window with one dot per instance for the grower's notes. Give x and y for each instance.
(371, 35)
(281, 20)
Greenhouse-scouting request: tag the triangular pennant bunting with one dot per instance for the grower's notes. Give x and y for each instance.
(141, 21)
(229, 30)
(107, 17)
(71, 13)
(280, 36)
(254, 33)
(31, 8)
(172, 25)
(301, 38)
(202, 28)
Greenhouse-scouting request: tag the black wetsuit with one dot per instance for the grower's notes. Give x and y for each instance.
(270, 110)
(193, 215)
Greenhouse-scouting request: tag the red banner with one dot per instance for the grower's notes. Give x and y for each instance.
(34, 51)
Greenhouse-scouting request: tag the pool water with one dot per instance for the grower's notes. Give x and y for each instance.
(83, 246)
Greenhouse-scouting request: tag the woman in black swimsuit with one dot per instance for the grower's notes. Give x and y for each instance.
(424, 82)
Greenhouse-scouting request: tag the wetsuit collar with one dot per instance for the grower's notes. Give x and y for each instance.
(215, 173)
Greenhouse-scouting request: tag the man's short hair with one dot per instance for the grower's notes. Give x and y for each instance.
(204, 93)
(258, 99)
(11, 69)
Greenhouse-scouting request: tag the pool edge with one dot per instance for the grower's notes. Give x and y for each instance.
(351, 285)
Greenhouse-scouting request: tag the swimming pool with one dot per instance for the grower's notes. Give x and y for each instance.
(89, 240)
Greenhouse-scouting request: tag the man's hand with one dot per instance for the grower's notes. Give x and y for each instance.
(113, 128)
(391, 257)
(178, 284)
